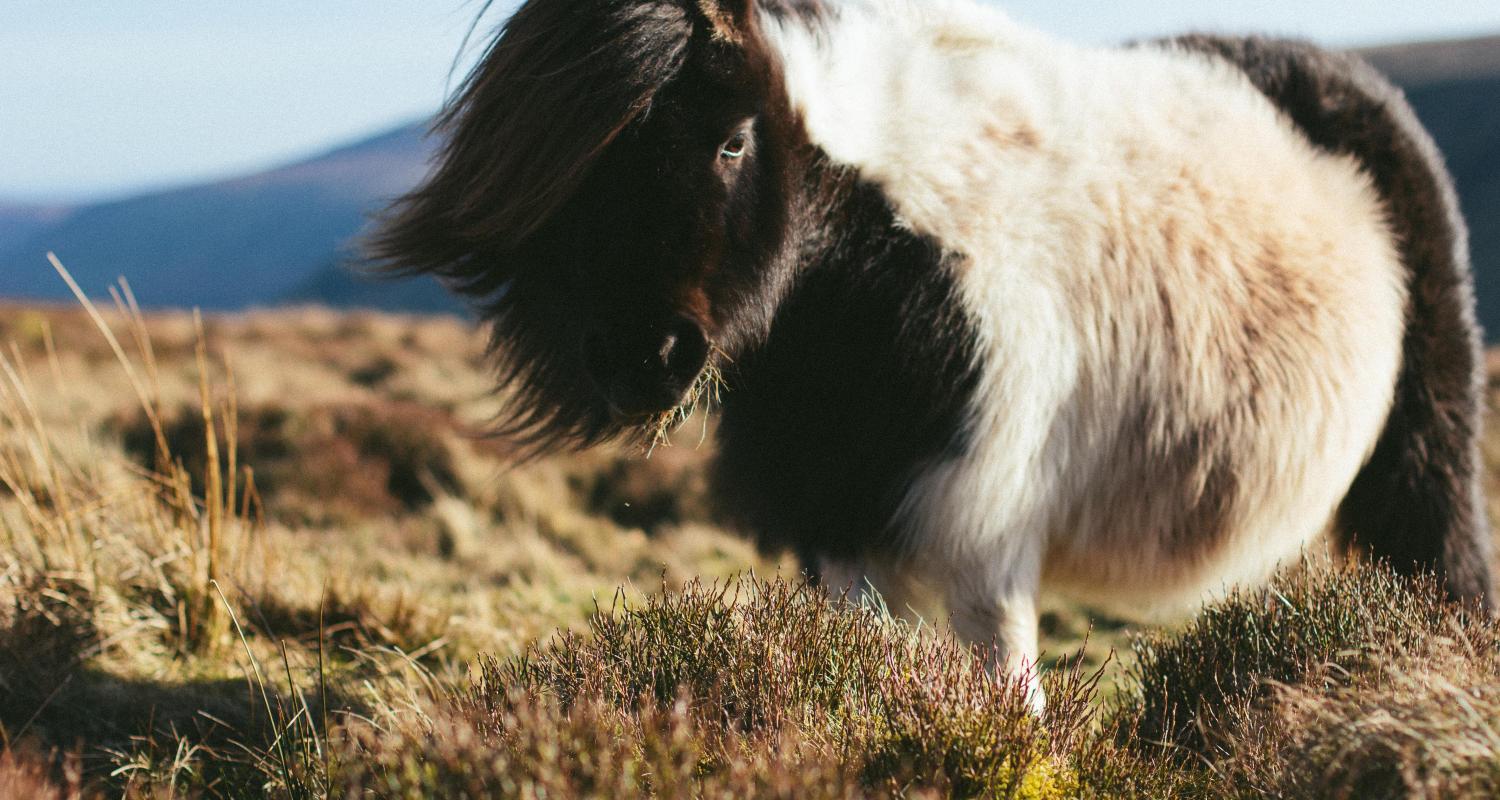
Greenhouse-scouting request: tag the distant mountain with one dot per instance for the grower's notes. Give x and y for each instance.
(262, 239)
(336, 284)
(1455, 89)
(18, 222)
(1413, 64)
(283, 235)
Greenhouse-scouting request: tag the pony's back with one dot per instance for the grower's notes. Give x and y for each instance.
(1417, 502)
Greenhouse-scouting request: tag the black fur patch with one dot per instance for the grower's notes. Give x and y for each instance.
(517, 122)
(1417, 503)
(866, 378)
(581, 203)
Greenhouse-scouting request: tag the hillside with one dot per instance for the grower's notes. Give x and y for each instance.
(254, 240)
(333, 607)
(1455, 89)
(1415, 64)
(20, 222)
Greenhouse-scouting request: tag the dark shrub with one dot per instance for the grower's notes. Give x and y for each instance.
(325, 464)
(669, 488)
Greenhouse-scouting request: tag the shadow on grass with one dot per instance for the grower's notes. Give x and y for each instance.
(53, 701)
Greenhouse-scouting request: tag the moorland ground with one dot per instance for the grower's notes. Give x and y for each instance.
(271, 554)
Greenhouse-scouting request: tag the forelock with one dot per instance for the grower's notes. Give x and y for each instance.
(556, 87)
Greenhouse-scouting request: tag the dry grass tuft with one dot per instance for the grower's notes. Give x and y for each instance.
(1309, 627)
(1349, 683)
(27, 773)
(704, 395)
(1416, 726)
(194, 641)
(747, 689)
(534, 748)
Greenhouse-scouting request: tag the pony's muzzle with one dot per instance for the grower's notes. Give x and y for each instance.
(648, 369)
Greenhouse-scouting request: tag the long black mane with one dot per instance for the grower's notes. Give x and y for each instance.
(558, 84)
(571, 200)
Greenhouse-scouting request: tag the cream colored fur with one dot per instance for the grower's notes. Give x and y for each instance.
(1190, 319)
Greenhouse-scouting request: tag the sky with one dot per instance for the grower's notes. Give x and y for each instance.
(103, 98)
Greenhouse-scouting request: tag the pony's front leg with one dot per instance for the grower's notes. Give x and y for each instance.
(866, 582)
(994, 606)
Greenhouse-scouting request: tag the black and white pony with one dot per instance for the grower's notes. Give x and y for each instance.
(994, 313)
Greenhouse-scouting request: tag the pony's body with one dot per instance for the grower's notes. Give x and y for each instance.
(1031, 316)
(1188, 320)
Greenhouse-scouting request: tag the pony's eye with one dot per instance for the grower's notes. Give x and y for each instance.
(734, 148)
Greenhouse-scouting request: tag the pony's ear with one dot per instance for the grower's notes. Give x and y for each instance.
(728, 19)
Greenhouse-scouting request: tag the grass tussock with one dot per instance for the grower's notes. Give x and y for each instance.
(1309, 626)
(534, 748)
(1418, 726)
(748, 689)
(1349, 682)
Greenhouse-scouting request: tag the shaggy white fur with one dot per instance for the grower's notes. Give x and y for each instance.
(1190, 318)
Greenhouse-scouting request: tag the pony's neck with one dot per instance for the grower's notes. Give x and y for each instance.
(949, 108)
(865, 373)
(880, 84)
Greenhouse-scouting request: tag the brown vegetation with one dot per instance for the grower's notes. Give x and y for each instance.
(284, 562)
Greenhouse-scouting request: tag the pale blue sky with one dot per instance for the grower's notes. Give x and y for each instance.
(106, 97)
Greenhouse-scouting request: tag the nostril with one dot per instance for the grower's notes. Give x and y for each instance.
(668, 345)
(684, 348)
(640, 369)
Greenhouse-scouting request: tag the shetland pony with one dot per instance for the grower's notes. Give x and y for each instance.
(992, 313)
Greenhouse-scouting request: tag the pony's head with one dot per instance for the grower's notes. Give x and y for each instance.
(615, 194)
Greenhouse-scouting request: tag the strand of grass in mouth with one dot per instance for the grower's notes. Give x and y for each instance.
(706, 387)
